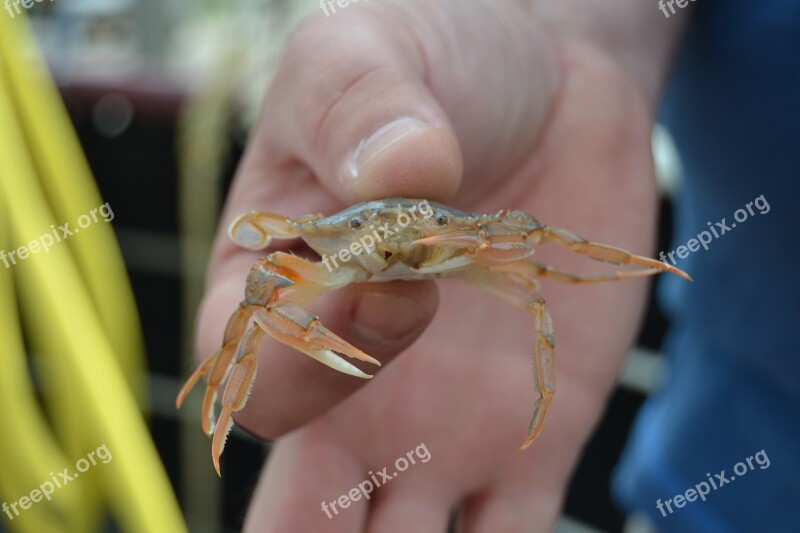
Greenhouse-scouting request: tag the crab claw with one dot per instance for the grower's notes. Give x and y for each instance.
(291, 324)
(255, 230)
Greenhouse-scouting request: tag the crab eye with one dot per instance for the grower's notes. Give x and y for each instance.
(442, 218)
(356, 222)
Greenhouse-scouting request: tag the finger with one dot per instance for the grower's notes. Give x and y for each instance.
(314, 483)
(292, 388)
(408, 508)
(360, 115)
(300, 487)
(509, 510)
(385, 99)
(525, 493)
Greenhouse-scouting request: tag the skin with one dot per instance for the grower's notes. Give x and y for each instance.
(545, 107)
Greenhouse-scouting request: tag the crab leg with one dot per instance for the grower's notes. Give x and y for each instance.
(531, 270)
(544, 364)
(290, 324)
(273, 288)
(262, 286)
(497, 246)
(522, 294)
(216, 367)
(602, 252)
(236, 390)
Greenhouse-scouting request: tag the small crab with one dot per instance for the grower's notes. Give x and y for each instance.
(384, 240)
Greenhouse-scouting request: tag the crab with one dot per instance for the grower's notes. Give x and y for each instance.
(377, 241)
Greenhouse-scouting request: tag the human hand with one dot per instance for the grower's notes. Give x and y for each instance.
(502, 115)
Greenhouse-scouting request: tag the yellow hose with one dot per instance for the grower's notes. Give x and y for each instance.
(65, 176)
(80, 320)
(27, 448)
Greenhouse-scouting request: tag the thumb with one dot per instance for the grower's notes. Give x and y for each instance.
(359, 113)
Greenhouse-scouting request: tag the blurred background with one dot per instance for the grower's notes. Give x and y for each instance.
(161, 95)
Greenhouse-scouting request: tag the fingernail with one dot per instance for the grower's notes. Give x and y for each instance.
(383, 139)
(385, 318)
